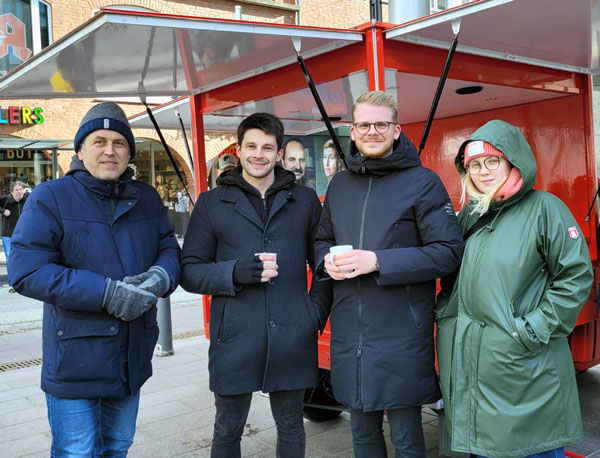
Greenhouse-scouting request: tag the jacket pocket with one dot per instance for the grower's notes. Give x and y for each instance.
(222, 333)
(86, 349)
(413, 312)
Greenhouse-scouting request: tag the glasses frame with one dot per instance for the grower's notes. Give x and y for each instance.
(374, 124)
(484, 164)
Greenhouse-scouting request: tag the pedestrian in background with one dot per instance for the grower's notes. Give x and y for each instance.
(97, 248)
(397, 216)
(247, 245)
(506, 369)
(11, 207)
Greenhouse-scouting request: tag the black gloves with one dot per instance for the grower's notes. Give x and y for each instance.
(155, 281)
(248, 271)
(126, 301)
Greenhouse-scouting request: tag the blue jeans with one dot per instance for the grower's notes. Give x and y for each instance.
(405, 425)
(232, 412)
(6, 247)
(554, 453)
(92, 427)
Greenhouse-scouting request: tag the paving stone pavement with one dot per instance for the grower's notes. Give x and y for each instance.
(176, 408)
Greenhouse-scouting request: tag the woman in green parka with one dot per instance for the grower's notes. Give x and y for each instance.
(506, 371)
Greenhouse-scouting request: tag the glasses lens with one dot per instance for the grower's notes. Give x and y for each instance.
(362, 127)
(492, 163)
(474, 167)
(382, 126)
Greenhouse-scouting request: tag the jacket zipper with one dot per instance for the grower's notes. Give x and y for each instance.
(475, 379)
(360, 336)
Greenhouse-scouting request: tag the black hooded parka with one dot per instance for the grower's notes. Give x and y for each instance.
(382, 349)
(263, 336)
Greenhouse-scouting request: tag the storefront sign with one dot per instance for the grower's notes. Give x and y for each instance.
(21, 115)
(19, 155)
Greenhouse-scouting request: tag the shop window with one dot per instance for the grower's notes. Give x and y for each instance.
(28, 24)
(27, 166)
(152, 166)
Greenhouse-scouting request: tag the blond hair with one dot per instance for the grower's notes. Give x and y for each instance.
(378, 99)
(481, 202)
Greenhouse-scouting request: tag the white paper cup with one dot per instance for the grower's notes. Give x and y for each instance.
(269, 254)
(273, 261)
(339, 249)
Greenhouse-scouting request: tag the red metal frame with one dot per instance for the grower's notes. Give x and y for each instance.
(198, 143)
(552, 127)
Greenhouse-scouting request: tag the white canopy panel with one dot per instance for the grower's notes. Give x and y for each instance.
(120, 53)
(560, 34)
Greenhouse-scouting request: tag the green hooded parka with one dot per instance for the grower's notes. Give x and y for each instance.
(506, 370)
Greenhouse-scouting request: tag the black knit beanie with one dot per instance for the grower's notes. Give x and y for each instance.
(109, 116)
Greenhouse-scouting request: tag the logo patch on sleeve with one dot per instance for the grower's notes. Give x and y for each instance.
(573, 232)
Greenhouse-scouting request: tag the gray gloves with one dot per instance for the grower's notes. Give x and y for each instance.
(135, 295)
(126, 301)
(155, 281)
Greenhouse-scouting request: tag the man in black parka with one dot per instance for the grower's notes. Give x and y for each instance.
(398, 217)
(263, 325)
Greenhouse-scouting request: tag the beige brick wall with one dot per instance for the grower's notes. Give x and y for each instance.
(340, 14)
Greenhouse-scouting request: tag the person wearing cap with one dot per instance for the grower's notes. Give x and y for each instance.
(398, 217)
(226, 162)
(97, 248)
(506, 370)
(247, 244)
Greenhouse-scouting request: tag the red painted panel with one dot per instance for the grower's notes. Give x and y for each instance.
(331, 66)
(421, 60)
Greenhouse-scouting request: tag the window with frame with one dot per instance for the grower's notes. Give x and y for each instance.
(28, 26)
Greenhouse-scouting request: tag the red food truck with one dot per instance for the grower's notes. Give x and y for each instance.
(528, 62)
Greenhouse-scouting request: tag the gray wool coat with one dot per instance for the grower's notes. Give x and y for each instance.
(263, 336)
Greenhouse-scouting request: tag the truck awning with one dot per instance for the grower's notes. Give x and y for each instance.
(558, 34)
(123, 53)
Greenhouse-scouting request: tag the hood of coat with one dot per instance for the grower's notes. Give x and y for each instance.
(404, 155)
(283, 179)
(508, 139)
(101, 187)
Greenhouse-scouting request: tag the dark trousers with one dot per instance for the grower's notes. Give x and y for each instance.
(407, 433)
(232, 412)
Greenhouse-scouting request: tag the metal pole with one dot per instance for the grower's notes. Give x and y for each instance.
(375, 6)
(164, 346)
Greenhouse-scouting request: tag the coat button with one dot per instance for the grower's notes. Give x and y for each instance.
(128, 203)
(60, 333)
(515, 334)
(267, 240)
(112, 328)
(272, 323)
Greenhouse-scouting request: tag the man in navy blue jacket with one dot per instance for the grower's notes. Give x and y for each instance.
(97, 247)
(398, 217)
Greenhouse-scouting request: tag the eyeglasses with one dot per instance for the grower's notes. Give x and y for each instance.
(491, 163)
(380, 126)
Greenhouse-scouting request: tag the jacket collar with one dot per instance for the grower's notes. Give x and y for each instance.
(404, 155)
(234, 186)
(102, 188)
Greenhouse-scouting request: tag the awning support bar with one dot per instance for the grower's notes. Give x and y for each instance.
(185, 140)
(440, 87)
(142, 96)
